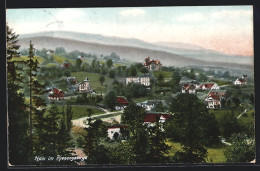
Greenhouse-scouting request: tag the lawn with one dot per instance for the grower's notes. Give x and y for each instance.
(215, 155)
(60, 59)
(24, 58)
(166, 74)
(80, 111)
(94, 80)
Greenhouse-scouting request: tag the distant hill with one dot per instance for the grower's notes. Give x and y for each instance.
(176, 54)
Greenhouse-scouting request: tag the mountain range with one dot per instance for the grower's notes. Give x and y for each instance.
(169, 53)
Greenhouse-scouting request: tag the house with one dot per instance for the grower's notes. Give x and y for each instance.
(150, 104)
(122, 103)
(56, 94)
(150, 118)
(144, 80)
(209, 86)
(214, 97)
(241, 81)
(189, 88)
(116, 129)
(84, 86)
(213, 101)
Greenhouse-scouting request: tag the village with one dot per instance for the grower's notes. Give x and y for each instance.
(209, 92)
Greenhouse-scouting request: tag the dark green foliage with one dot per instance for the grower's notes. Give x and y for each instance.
(132, 71)
(189, 117)
(110, 100)
(78, 63)
(111, 73)
(228, 124)
(159, 107)
(133, 118)
(19, 144)
(241, 150)
(109, 63)
(160, 79)
(102, 79)
(140, 90)
(158, 148)
(176, 77)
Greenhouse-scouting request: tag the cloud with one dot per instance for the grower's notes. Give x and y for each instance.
(132, 12)
(232, 14)
(192, 17)
(69, 14)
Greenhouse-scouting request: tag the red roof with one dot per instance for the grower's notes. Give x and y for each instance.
(151, 117)
(209, 85)
(220, 93)
(241, 80)
(216, 97)
(122, 100)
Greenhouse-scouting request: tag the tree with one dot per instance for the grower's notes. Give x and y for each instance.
(132, 71)
(133, 118)
(90, 136)
(176, 77)
(109, 63)
(19, 144)
(36, 105)
(192, 74)
(144, 70)
(242, 149)
(158, 148)
(102, 79)
(160, 78)
(110, 100)
(78, 63)
(226, 74)
(51, 130)
(111, 73)
(252, 98)
(228, 124)
(189, 117)
(60, 51)
(236, 101)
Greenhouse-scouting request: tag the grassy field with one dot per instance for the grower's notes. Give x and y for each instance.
(166, 74)
(80, 111)
(94, 80)
(60, 59)
(24, 58)
(215, 155)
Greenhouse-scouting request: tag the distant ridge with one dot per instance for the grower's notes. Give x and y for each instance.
(134, 54)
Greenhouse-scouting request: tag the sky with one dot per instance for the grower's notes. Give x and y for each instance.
(228, 29)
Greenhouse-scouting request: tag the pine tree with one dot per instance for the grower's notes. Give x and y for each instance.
(90, 139)
(37, 104)
(17, 116)
(51, 131)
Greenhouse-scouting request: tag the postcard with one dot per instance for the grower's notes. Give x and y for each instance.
(127, 86)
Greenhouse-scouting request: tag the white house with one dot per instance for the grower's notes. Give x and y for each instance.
(241, 81)
(214, 97)
(144, 80)
(84, 86)
(189, 88)
(111, 130)
(150, 119)
(150, 104)
(213, 101)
